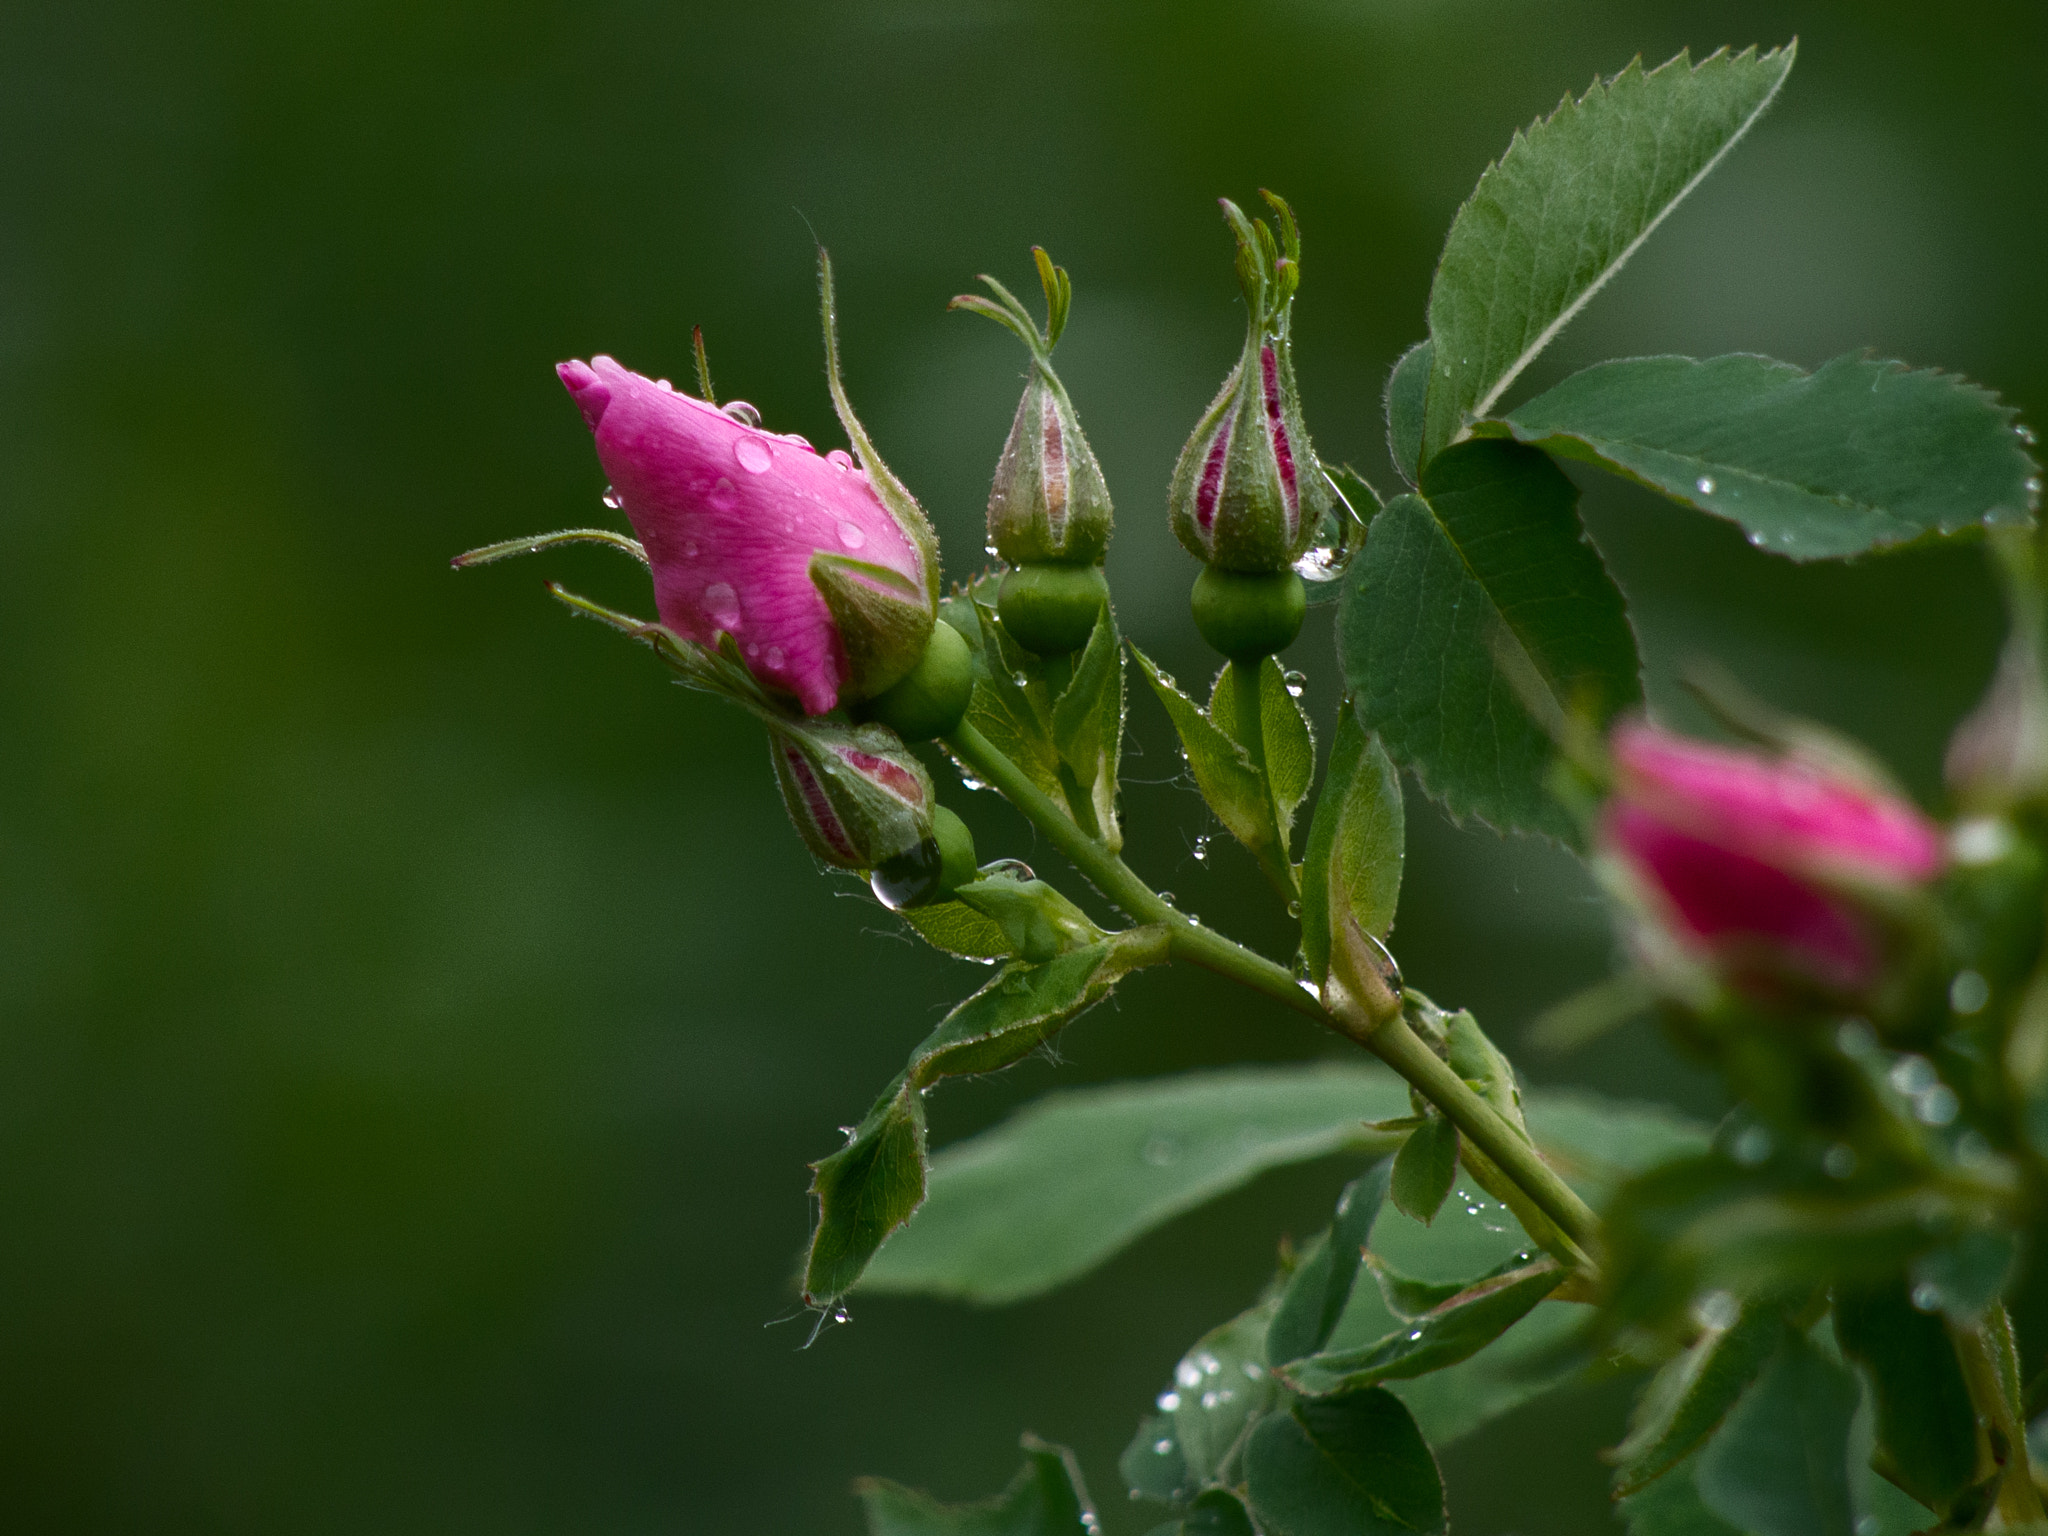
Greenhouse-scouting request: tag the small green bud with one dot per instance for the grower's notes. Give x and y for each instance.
(930, 700)
(858, 798)
(1051, 609)
(1248, 492)
(956, 850)
(1248, 615)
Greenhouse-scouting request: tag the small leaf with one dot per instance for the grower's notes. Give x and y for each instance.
(999, 708)
(1672, 1506)
(1349, 1466)
(1780, 1465)
(1425, 1168)
(1219, 1387)
(1152, 1464)
(1088, 726)
(1046, 1498)
(1286, 746)
(1569, 202)
(1234, 789)
(959, 930)
(873, 1184)
(1859, 455)
(1690, 1396)
(1409, 1298)
(1470, 606)
(1057, 1188)
(1460, 1327)
(1926, 1424)
(1357, 843)
(1407, 399)
(1320, 1286)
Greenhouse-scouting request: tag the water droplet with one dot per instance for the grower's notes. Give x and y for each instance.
(1210, 1365)
(2024, 433)
(742, 413)
(722, 606)
(724, 494)
(909, 878)
(1927, 1296)
(841, 1315)
(753, 649)
(1839, 1161)
(1210, 1399)
(1717, 1310)
(690, 550)
(612, 499)
(1168, 1402)
(1913, 1074)
(1202, 848)
(1309, 987)
(1159, 1448)
(664, 386)
(970, 783)
(753, 456)
(1753, 1147)
(989, 550)
(1253, 1370)
(1161, 1152)
(775, 658)
(1417, 1334)
(1295, 681)
(1969, 992)
(1167, 897)
(2033, 485)
(839, 458)
(1937, 1106)
(1980, 840)
(1187, 1374)
(1704, 485)
(851, 536)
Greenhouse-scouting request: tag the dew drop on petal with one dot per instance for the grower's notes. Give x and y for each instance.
(839, 458)
(742, 413)
(753, 456)
(851, 536)
(722, 605)
(774, 659)
(724, 495)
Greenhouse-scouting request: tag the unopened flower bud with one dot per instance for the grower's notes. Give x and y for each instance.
(1048, 503)
(1248, 492)
(1766, 869)
(858, 798)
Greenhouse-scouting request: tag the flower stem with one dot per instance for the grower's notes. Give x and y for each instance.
(1392, 1041)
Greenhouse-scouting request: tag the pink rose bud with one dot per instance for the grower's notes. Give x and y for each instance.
(1248, 492)
(1756, 861)
(755, 535)
(857, 796)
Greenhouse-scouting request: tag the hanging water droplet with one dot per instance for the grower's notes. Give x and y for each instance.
(612, 499)
(1937, 1106)
(1296, 682)
(753, 456)
(1202, 848)
(742, 413)
(722, 606)
(909, 878)
(839, 458)
(841, 1315)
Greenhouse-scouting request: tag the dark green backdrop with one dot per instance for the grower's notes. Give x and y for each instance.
(415, 1015)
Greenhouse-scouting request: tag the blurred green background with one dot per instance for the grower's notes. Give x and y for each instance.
(416, 1015)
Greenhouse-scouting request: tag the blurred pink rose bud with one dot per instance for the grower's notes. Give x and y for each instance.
(1763, 865)
(758, 536)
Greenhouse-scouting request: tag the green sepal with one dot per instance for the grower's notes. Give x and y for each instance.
(892, 493)
(1286, 744)
(876, 1181)
(1357, 842)
(1425, 1168)
(1088, 727)
(959, 930)
(1224, 773)
(884, 622)
(1046, 1498)
(1453, 1331)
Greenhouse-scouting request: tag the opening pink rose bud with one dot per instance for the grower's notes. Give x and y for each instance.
(1749, 858)
(758, 536)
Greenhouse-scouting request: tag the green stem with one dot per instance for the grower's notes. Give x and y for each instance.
(2005, 1438)
(1393, 1042)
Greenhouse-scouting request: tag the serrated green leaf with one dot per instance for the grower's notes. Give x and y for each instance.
(959, 930)
(1348, 1466)
(1320, 1287)
(1571, 200)
(1057, 1188)
(1425, 1168)
(1858, 455)
(1046, 1498)
(1926, 1424)
(1780, 1464)
(1690, 1396)
(1357, 844)
(1407, 401)
(1088, 726)
(1472, 605)
(871, 1186)
(1233, 787)
(1453, 1331)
